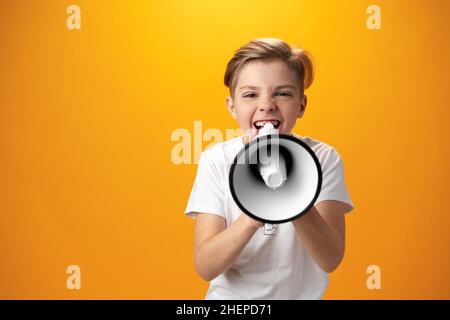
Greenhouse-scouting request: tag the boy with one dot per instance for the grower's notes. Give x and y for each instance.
(267, 79)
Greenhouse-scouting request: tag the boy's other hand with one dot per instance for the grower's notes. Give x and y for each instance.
(252, 222)
(250, 136)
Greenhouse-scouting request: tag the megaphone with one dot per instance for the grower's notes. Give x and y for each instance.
(275, 178)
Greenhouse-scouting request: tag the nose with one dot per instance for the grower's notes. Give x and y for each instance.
(268, 105)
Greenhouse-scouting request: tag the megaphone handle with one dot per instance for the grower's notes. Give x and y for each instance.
(270, 229)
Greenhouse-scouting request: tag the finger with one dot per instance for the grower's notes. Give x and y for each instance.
(252, 135)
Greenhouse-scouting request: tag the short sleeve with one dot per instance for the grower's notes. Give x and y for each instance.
(207, 195)
(333, 180)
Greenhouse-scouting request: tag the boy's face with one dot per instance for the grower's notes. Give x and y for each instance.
(258, 95)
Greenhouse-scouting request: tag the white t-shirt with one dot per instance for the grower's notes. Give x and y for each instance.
(269, 267)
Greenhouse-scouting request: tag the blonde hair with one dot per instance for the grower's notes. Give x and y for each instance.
(296, 58)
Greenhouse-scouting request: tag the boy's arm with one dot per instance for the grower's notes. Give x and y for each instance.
(216, 247)
(322, 231)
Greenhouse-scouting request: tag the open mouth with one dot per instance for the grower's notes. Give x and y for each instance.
(260, 123)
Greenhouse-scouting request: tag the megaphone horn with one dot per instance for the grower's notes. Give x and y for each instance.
(275, 178)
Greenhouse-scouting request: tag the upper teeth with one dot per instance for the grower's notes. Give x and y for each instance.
(261, 123)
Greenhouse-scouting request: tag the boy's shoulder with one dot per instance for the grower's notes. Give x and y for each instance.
(233, 144)
(316, 145)
(223, 152)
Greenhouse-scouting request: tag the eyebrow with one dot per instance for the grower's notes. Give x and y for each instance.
(277, 87)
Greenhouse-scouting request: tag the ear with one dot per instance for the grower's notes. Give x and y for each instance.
(231, 108)
(302, 108)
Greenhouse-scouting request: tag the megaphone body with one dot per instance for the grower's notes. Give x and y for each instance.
(275, 178)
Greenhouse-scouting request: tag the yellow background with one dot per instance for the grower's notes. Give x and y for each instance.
(86, 116)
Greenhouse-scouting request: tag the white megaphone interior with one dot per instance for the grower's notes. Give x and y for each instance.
(285, 202)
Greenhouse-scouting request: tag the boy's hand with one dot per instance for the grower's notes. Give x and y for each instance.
(249, 220)
(250, 136)
(252, 222)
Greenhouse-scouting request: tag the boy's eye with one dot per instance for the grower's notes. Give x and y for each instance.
(284, 94)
